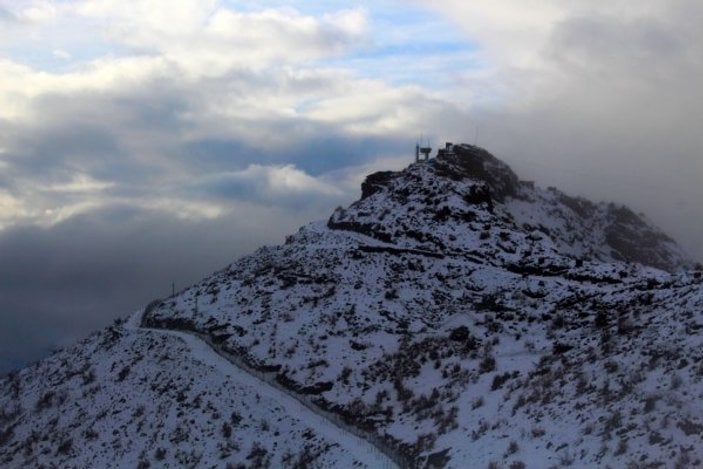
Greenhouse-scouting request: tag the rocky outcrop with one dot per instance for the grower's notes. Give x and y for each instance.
(375, 182)
(633, 240)
(468, 161)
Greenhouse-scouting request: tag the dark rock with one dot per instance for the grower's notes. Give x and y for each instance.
(459, 334)
(632, 240)
(468, 161)
(438, 459)
(560, 348)
(581, 207)
(314, 389)
(376, 182)
(368, 229)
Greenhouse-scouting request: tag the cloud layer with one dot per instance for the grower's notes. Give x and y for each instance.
(189, 96)
(60, 283)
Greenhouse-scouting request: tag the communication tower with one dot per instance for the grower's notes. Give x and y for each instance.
(424, 151)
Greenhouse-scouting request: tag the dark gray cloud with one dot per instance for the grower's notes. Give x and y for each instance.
(327, 149)
(6, 16)
(60, 283)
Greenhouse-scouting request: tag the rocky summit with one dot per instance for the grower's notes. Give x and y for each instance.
(454, 316)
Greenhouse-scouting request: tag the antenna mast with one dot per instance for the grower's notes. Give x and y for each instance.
(422, 150)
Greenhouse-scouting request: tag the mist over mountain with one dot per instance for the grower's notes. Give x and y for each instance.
(454, 315)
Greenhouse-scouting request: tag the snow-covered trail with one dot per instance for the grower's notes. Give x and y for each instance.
(364, 452)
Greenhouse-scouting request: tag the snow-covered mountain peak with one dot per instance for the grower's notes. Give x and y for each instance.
(456, 163)
(452, 317)
(467, 199)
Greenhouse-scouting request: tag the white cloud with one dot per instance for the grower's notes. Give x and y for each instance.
(206, 38)
(38, 12)
(372, 107)
(20, 84)
(61, 54)
(511, 33)
(81, 183)
(143, 17)
(10, 208)
(286, 180)
(283, 185)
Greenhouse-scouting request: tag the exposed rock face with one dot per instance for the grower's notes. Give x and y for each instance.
(375, 182)
(632, 240)
(468, 161)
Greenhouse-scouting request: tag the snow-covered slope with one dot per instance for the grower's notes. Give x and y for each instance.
(454, 316)
(128, 396)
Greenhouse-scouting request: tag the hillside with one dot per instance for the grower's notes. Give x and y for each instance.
(453, 315)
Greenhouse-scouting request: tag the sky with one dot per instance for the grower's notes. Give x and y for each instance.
(151, 142)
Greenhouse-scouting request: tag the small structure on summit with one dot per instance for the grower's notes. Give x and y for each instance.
(447, 150)
(424, 151)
